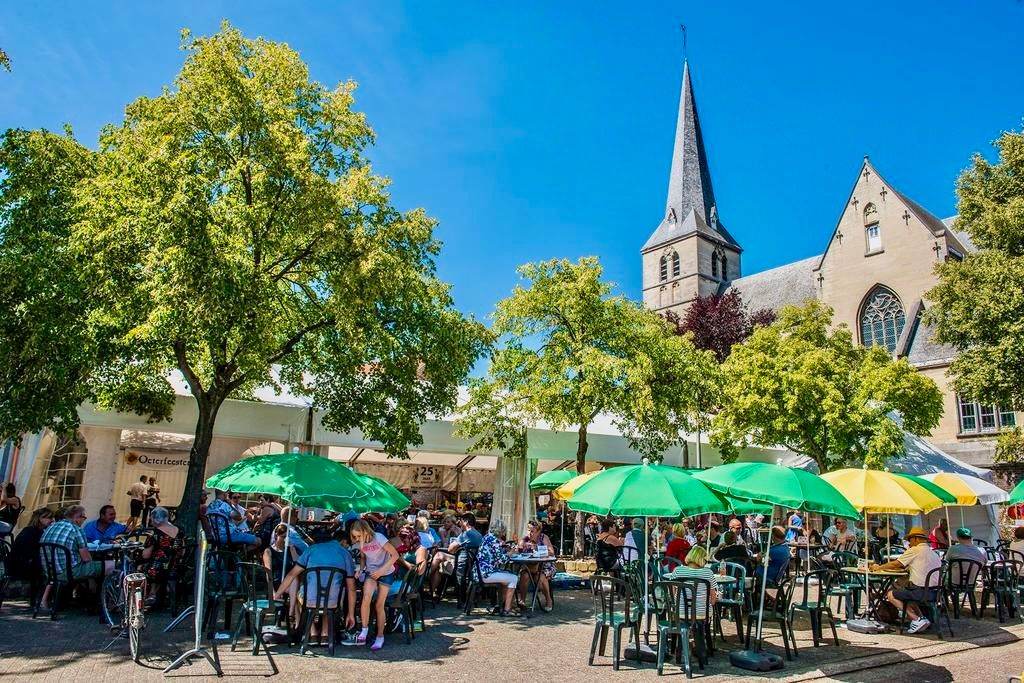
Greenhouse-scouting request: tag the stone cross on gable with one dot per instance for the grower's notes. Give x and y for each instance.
(855, 202)
(866, 174)
(937, 249)
(839, 236)
(906, 217)
(883, 193)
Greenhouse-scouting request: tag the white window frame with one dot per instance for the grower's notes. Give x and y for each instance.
(874, 242)
(971, 414)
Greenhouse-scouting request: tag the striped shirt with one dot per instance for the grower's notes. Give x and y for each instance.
(684, 572)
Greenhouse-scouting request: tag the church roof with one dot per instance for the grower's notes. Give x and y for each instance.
(918, 344)
(961, 236)
(792, 283)
(690, 205)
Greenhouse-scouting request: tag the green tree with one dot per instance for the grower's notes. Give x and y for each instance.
(45, 292)
(570, 351)
(5, 61)
(1010, 446)
(236, 233)
(802, 384)
(979, 302)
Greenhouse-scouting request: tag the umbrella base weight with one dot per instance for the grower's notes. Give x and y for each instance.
(646, 653)
(753, 660)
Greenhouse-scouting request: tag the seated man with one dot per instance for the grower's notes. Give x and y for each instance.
(105, 528)
(67, 532)
(328, 551)
(965, 549)
(839, 534)
(218, 513)
(778, 556)
(919, 559)
(444, 562)
(736, 527)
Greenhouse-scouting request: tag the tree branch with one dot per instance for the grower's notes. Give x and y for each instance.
(292, 341)
(186, 369)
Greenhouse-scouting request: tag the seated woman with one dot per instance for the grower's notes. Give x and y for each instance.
(696, 568)
(160, 553)
(607, 548)
(412, 556)
(267, 519)
(428, 537)
(279, 564)
(731, 550)
(536, 540)
(23, 562)
(678, 547)
(493, 556)
(377, 572)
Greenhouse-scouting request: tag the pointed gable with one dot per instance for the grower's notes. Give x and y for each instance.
(690, 205)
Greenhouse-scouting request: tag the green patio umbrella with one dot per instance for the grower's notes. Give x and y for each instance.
(776, 485)
(646, 491)
(303, 479)
(386, 497)
(1017, 494)
(551, 480)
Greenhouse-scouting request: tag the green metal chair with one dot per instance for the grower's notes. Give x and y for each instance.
(614, 610)
(679, 599)
(816, 608)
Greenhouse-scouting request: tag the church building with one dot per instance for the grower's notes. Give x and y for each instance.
(877, 264)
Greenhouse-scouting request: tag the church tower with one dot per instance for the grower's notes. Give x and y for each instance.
(691, 253)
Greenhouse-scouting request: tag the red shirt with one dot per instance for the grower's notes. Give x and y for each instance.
(677, 548)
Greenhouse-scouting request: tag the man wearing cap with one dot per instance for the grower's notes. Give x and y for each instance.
(919, 559)
(964, 548)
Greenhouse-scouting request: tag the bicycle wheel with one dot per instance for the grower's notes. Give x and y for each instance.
(134, 635)
(112, 600)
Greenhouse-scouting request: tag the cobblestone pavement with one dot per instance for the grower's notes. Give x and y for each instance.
(548, 647)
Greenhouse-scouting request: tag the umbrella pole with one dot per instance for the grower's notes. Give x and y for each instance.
(867, 563)
(561, 536)
(764, 584)
(961, 518)
(888, 537)
(949, 527)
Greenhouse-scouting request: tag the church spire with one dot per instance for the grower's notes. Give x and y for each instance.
(689, 184)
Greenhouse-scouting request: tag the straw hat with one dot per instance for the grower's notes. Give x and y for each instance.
(916, 531)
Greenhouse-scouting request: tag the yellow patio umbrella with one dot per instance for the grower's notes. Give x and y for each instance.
(882, 493)
(957, 487)
(565, 491)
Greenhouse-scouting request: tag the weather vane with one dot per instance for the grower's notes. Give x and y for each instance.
(683, 27)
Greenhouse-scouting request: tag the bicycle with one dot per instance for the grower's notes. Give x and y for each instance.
(123, 596)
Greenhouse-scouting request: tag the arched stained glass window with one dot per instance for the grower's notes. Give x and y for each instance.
(663, 273)
(675, 264)
(882, 319)
(725, 268)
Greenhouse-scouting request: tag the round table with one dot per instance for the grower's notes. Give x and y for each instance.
(526, 563)
(884, 581)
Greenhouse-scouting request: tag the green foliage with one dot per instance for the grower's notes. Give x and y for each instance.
(979, 302)
(231, 226)
(570, 351)
(802, 384)
(1010, 446)
(51, 357)
(5, 61)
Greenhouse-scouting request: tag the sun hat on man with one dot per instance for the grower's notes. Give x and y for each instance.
(916, 531)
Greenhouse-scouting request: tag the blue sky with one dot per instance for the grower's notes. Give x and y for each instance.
(537, 130)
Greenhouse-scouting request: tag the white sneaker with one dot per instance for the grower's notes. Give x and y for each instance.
(918, 625)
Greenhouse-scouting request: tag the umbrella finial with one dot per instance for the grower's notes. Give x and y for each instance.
(778, 461)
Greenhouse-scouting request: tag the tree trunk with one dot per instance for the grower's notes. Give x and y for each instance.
(581, 467)
(188, 510)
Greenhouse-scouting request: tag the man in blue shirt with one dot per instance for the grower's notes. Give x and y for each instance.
(105, 528)
(778, 555)
(326, 552)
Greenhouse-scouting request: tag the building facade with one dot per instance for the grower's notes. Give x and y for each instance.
(877, 265)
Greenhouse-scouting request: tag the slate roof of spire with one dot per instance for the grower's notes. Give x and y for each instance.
(690, 206)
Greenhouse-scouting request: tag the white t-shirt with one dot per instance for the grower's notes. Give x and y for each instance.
(919, 560)
(375, 557)
(138, 491)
